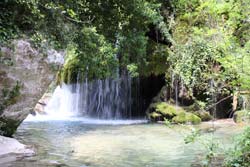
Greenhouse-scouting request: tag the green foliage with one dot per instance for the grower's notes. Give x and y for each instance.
(212, 150)
(133, 70)
(119, 28)
(167, 123)
(156, 60)
(192, 137)
(133, 49)
(194, 63)
(211, 42)
(239, 156)
(207, 142)
(94, 57)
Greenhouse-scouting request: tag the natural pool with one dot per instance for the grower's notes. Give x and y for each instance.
(80, 143)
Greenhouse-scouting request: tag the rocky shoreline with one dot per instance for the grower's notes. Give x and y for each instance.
(11, 150)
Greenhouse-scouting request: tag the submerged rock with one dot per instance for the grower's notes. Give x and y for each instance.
(25, 74)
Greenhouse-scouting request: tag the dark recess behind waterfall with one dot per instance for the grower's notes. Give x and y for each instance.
(144, 89)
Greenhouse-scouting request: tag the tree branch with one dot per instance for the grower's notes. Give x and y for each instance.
(225, 98)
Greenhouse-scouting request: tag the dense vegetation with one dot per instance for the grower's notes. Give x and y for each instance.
(239, 155)
(197, 41)
(202, 46)
(103, 34)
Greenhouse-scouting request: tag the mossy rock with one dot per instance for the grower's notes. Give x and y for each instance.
(167, 110)
(198, 109)
(164, 111)
(204, 115)
(242, 116)
(154, 116)
(185, 117)
(196, 106)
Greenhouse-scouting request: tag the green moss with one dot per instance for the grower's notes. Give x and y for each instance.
(167, 110)
(242, 116)
(198, 105)
(198, 108)
(93, 58)
(164, 111)
(204, 115)
(184, 117)
(154, 115)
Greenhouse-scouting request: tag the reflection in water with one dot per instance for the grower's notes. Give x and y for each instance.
(75, 143)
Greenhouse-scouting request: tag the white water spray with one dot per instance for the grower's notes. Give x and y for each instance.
(108, 99)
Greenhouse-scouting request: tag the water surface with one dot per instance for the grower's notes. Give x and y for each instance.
(80, 143)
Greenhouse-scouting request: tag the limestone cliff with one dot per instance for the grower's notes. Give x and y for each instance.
(25, 74)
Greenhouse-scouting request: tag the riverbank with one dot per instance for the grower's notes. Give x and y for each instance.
(12, 150)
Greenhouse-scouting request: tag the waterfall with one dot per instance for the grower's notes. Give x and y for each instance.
(174, 85)
(213, 97)
(176, 93)
(112, 100)
(102, 99)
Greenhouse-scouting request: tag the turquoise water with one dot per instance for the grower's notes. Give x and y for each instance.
(77, 143)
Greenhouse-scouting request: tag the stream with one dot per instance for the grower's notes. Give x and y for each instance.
(79, 143)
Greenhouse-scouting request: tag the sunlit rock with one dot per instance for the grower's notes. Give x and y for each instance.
(10, 149)
(25, 74)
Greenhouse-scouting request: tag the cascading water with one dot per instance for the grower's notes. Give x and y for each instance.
(118, 100)
(108, 99)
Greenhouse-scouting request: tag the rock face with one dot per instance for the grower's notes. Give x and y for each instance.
(25, 74)
(40, 106)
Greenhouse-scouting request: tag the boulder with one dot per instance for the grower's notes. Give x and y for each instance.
(164, 111)
(11, 149)
(185, 117)
(11, 145)
(25, 74)
(242, 116)
(198, 108)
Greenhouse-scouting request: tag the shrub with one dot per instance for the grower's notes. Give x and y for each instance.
(239, 156)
